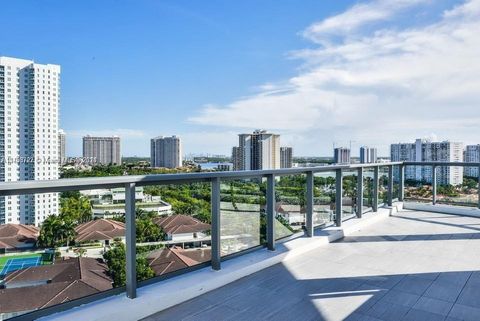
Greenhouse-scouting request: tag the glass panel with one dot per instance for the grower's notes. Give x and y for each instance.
(290, 204)
(67, 258)
(456, 189)
(242, 210)
(173, 228)
(368, 174)
(349, 200)
(324, 198)
(396, 183)
(383, 185)
(416, 188)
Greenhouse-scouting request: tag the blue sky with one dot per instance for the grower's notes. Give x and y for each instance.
(207, 70)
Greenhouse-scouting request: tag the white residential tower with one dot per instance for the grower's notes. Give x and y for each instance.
(29, 106)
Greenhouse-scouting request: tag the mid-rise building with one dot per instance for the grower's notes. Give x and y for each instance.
(102, 150)
(237, 158)
(29, 106)
(61, 147)
(427, 151)
(259, 150)
(341, 155)
(286, 157)
(224, 167)
(166, 152)
(368, 155)
(472, 155)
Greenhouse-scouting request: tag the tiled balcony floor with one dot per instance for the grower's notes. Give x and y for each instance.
(413, 266)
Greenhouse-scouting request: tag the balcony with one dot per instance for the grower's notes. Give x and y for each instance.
(363, 253)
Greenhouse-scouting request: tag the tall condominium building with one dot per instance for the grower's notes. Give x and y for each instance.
(166, 152)
(472, 155)
(368, 155)
(259, 150)
(286, 157)
(341, 155)
(29, 105)
(102, 150)
(61, 146)
(237, 158)
(426, 151)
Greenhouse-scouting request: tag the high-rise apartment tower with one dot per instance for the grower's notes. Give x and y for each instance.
(102, 150)
(166, 152)
(29, 106)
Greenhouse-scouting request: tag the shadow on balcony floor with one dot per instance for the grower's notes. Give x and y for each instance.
(413, 266)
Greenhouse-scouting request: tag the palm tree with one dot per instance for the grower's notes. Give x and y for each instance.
(68, 229)
(49, 231)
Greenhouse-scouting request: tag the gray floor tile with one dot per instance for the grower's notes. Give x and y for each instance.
(359, 317)
(470, 296)
(444, 291)
(388, 311)
(419, 315)
(400, 298)
(181, 311)
(433, 306)
(303, 311)
(412, 284)
(216, 313)
(457, 278)
(466, 313)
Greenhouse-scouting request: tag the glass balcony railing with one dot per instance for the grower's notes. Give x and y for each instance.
(349, 198)
(134, 230)
(324, 198)
(290, 204)
(242, 214)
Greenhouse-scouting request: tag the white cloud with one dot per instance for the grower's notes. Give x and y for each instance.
(386, 86)
(357, 17)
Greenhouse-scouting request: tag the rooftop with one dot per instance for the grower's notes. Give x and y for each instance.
(65, 280)
(17, 235)
(412, 266)
(176, 224)
(101, 229)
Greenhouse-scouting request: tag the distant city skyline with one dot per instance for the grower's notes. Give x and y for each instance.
(318, 77)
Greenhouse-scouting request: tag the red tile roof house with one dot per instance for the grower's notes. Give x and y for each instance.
(168, 260)
(14, 237)
(47, 285)
(102, 230)
(293, 214)
(182, 228)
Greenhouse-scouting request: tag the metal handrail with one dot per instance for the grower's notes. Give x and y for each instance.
(62, 185)
(214, 178)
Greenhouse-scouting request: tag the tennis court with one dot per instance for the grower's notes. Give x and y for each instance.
(14, 264)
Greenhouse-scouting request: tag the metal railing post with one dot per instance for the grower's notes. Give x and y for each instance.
(401, 178)
(434, 185)
(309, 209)
(360, 192)
(338, 197)
(271, 212)
(375, 188)
(390, 185)
(215, 229)
(131, 239)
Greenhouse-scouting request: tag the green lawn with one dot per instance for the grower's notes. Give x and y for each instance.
(47, 258)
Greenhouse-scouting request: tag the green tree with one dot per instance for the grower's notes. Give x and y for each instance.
(56, 231)
(147, 231)
(116, 262)
(75, 208)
